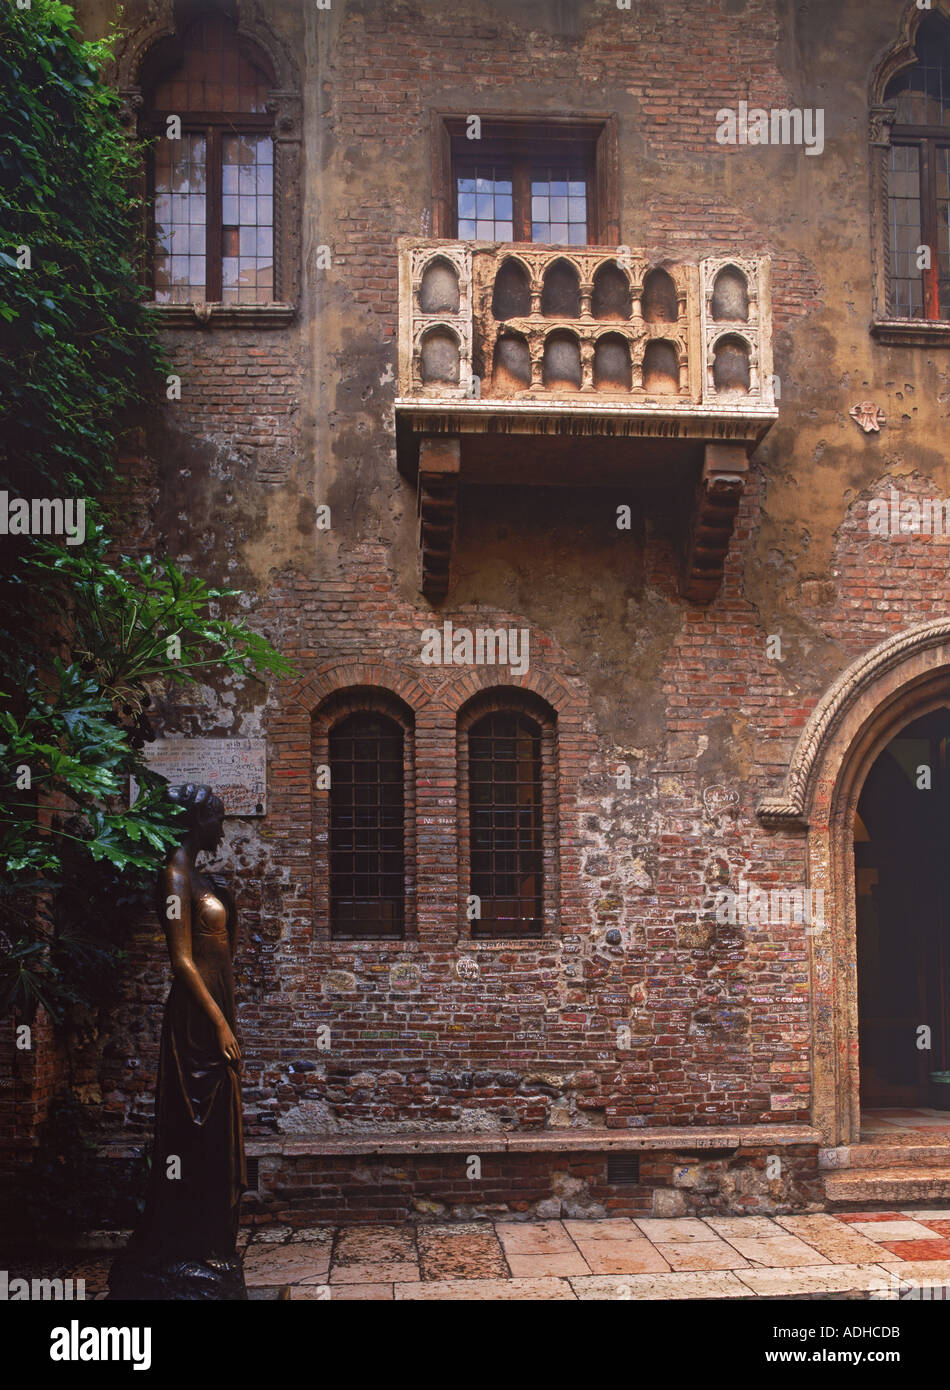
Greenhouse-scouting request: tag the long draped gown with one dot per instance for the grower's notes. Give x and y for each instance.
(198, 1113)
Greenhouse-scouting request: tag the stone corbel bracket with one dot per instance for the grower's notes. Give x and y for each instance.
(790, 811)
(438, 491)
(725, 469)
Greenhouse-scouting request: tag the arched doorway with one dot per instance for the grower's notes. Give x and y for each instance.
(904, 679)
(902, 918)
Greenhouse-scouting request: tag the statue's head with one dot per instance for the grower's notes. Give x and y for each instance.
(204, 814)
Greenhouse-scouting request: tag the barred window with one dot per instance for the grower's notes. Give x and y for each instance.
(506, 826)
(367, 827)
(212, 190)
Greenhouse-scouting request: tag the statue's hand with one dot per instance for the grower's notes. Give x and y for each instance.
(228, 1044)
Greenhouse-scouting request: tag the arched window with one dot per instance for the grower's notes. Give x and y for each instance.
(506, 824)
(919, 178)
(367, 826)
(211, 186)
(910, 126)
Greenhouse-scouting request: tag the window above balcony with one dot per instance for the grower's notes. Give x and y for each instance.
(553, 181)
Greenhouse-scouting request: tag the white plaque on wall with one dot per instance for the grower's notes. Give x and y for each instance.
(235, 768)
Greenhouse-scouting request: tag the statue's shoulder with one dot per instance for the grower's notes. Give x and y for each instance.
(222, 891)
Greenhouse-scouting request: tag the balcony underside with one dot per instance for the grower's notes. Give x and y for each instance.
(699, 478)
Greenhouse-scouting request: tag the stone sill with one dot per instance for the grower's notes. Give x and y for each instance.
(440, 945)
(596, 1139)
(222, 315)
(912, 332)
(680, 1139)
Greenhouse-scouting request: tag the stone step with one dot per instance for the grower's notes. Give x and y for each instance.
(871, 1155)
(896, 1185)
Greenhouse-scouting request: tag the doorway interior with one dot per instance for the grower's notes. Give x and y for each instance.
(902, 858)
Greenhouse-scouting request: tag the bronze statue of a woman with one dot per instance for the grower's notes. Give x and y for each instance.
(185, 1244)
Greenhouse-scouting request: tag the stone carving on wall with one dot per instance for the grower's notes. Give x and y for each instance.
(868, 415)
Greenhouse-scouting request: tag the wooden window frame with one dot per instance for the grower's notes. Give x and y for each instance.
(213, 126)
(522, 141)
(884, 132)
(142, 57)
(926, 140)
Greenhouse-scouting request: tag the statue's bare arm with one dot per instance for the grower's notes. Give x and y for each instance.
(176, 893)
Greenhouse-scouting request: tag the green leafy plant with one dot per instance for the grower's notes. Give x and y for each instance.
(72, 320)
(88, 637)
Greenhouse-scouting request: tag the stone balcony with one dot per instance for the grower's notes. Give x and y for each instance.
(659, 368)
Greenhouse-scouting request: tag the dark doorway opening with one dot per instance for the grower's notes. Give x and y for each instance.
(901, 855)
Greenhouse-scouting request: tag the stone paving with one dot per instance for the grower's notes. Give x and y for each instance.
(846, 1254)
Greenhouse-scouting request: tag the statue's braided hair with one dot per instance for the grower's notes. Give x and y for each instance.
(198, 803)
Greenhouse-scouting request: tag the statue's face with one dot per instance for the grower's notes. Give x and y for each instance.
(211, 832)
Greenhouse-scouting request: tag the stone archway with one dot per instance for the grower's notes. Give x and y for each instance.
(898, 681)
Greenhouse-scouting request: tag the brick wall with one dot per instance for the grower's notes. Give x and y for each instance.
(687, 698)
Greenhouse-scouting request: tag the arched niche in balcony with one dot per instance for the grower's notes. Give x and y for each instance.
(439, 357)
(611, 296)
(731, 365)
(730, 296)
(658, 302)
(612, 368)
(561, 364)
(439, 289)
(661, 370)
(561, 291)
(511, 367)
(511, 292)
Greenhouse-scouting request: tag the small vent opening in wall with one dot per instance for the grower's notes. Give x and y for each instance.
(623, 1168)
(253, 1174)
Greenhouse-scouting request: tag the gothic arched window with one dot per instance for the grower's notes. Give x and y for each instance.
(212, 172)
(910, 136)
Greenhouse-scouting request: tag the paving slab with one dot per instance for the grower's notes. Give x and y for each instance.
(555, 1263)
(617, 1256)
(612, 1228)
(918, 1249)
(922, 1270)
(836, 1240)
(662, 1286)
(749, 1227)
(679, 1228)
(446, 1253)
(854, 1217)
(700, 1255)
(345, 1293)
(375, 1272)
(786, 1283)
(778, 1252)
(894, 1230)
(313, 1235)
(493, 1290)
(286, 1264)
(271, 1235)
(534, 1237)
(359, 1244)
